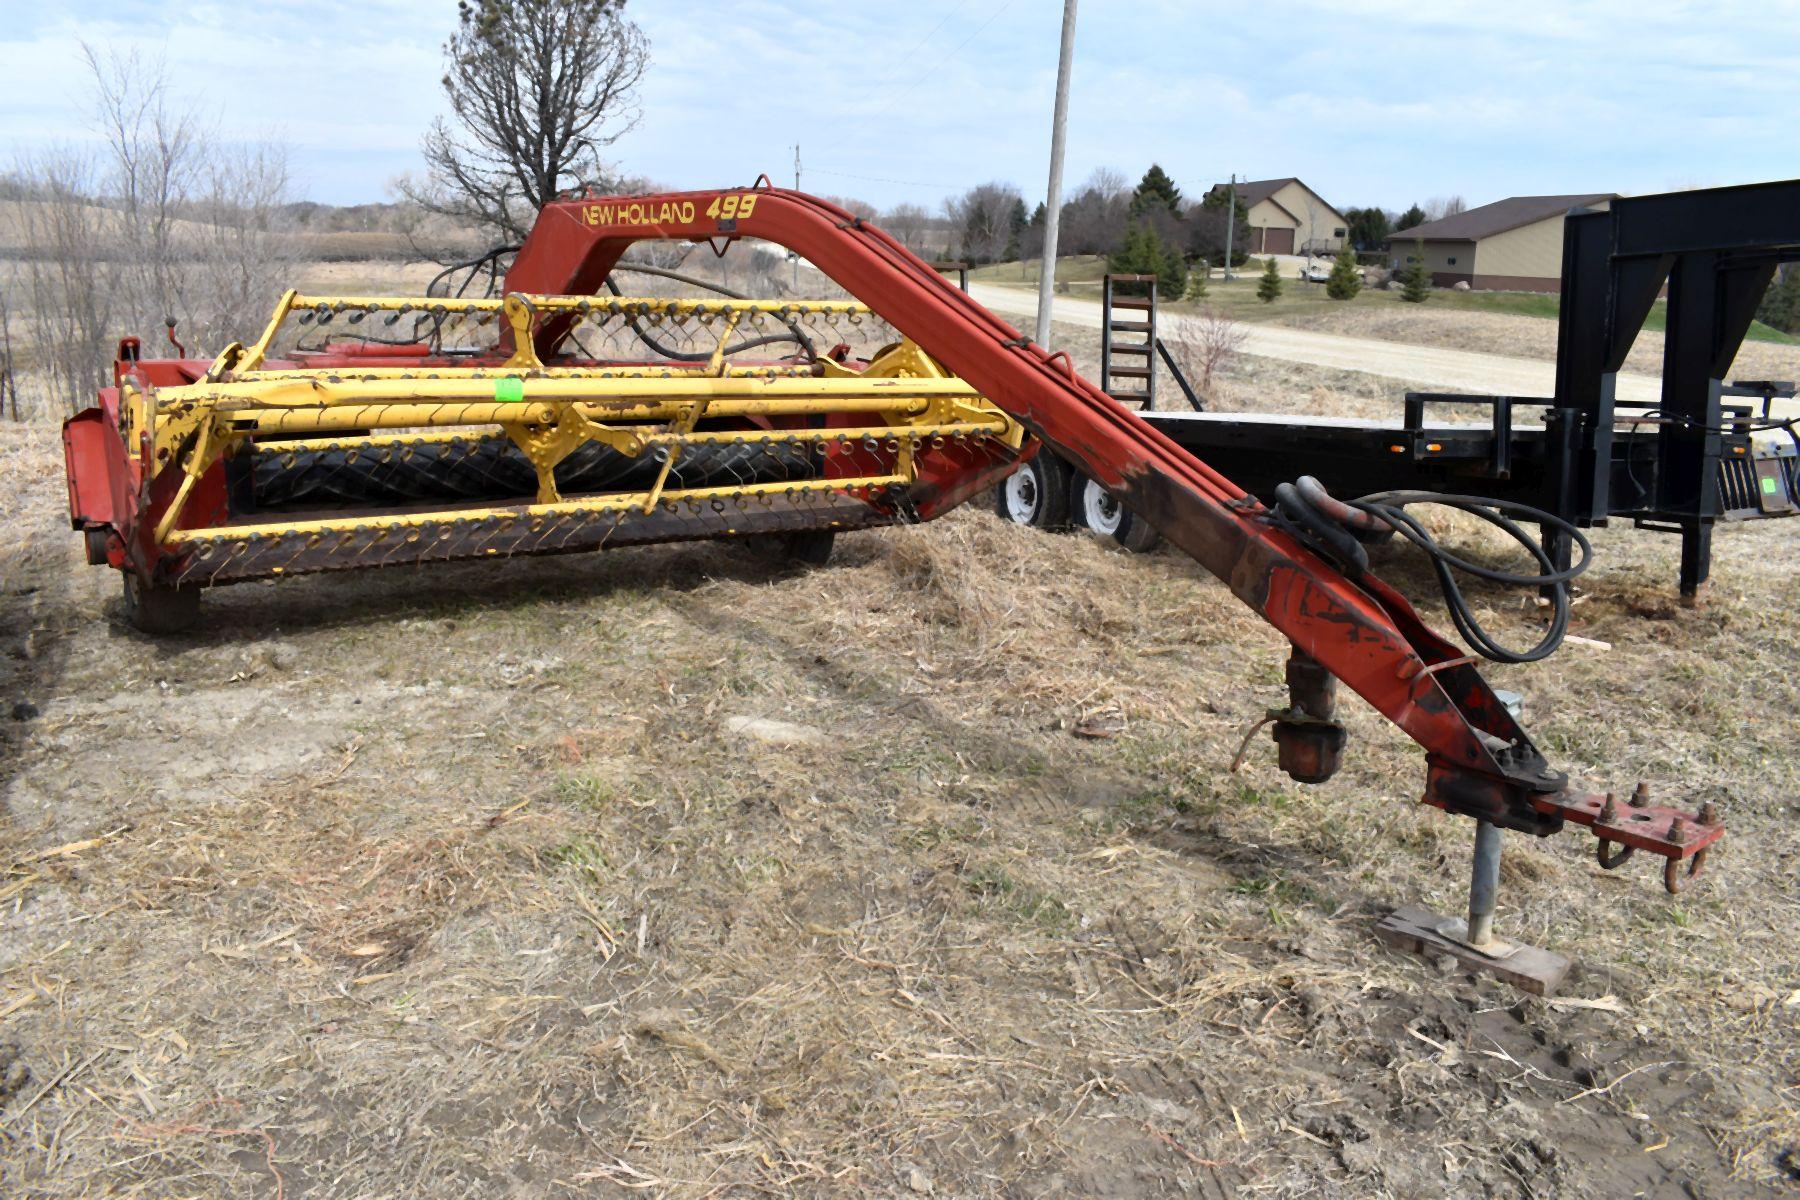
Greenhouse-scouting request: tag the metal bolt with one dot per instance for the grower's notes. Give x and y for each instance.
(1640, 797)
(1709, 813)
(1677, 831)
(1609, 812)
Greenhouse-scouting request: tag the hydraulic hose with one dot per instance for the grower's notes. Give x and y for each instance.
(1339, 528)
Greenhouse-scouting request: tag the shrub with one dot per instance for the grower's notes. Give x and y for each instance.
(1346, 278)
(1268, 288)
(1415, 284)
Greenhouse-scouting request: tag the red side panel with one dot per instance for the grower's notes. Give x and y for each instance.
(100, 485)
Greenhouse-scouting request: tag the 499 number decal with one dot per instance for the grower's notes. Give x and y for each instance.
(734, 207)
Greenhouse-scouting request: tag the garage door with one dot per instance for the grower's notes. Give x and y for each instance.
(1278, 241)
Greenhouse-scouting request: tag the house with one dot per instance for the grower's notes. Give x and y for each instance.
(1287, 217)
(1511, 245)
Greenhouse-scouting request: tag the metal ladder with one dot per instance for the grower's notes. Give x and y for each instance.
(1139, 318)
(1146, 351)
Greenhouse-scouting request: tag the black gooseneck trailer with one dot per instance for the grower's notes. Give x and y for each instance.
(1679, 464)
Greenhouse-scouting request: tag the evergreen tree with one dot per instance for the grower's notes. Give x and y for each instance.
(1207, 223)
(1017, 220)
(1172, 278)
(1268, 288)
(1369, 227)
(1780, 307)
(1143, 253)
(1156, 191)
(1415, 283)
(1346, 278)
(1409, 219)
(1198, 275)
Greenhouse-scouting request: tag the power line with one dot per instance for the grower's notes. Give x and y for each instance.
(906, 59)
(920, 78)
(941, 187)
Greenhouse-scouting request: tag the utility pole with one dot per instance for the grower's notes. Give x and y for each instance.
(794, 255)
(1230, 224)
(1053, 202)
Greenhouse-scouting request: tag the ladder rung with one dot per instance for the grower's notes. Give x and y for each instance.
(1130, 326)
(1129, 348)
(1132, 372)
(1139, 305)
(1130, 397)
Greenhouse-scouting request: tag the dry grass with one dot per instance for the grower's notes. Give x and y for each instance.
(458, 883)
(1518, 336)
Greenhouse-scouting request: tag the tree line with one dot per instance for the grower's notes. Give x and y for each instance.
(1149, 228)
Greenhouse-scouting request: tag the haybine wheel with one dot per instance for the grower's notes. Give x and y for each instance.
(160, 610)
(1037, 494)
(1103, 515)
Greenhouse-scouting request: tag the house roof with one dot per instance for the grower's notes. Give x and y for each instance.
(1254, 191)
(1477, 223)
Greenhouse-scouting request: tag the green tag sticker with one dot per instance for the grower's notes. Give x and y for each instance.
(1768, 486)
(509, 391)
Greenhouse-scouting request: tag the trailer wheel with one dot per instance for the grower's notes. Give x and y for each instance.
(159, 610)
(802, 548)
(1037, 494)
(1106, 517)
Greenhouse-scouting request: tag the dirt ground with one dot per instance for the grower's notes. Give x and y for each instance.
(663, 872)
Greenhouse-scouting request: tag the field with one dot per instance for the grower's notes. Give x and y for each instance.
(1306, 306)
(664, 872)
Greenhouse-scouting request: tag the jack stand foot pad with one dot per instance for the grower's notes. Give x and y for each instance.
(1420, 931)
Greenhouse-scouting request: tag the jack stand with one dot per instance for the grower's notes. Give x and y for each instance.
(1472, 942)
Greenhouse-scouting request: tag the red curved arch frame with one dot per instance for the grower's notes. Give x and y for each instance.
(1364, 633)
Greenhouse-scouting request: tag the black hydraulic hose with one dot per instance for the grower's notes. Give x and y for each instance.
(794, 333)
(1318, 529)
(1310, 513)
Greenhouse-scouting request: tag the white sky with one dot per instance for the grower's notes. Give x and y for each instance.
(1370, 101)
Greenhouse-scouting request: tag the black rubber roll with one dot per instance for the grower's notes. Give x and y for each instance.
(491, 469)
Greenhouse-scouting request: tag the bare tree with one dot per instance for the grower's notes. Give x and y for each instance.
(1094, 219)
(537, 89)
(910, 224)
(981, 220)
(1203, 345)
(9, 381)
(151, 160)
(240, 253)
(165, 223)
(1439, 207)
(855, 207)
(1107, 181)
(70, 280)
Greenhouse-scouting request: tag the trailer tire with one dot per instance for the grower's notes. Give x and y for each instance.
(160, 610)
(1096, 510)
(1037, 494)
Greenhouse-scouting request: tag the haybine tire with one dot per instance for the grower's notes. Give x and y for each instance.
(1096, 510)
(1037, 494)
(160, 610)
